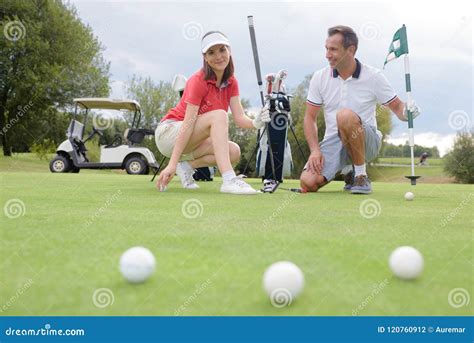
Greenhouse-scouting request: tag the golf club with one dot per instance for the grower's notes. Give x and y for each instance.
(256, 60)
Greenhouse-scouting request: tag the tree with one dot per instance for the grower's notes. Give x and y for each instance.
(384, 122)
(459, 162)
(47, 57)
(391, 150)
(155, 99)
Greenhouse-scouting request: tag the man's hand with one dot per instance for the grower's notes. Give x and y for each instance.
(262, 118)
(315, 162)
(413, 108)
(165, 177)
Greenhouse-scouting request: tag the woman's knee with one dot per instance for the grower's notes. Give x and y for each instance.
(217, 116)
(234, 152)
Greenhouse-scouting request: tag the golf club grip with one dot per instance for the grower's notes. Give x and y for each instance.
(253, 39)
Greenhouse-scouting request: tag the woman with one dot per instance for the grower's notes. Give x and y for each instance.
(195, 133)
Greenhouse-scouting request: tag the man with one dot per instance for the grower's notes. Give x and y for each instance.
(349, 92)
(423, 158)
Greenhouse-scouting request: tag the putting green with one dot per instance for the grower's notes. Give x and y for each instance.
(62, 236)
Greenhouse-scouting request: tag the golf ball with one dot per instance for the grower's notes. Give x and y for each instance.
(137, 264)
(406, 263)
(283, 281)
(409, 196)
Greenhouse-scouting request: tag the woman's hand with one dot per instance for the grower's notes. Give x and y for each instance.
(240, 118)
(165, 177)
(262, 118)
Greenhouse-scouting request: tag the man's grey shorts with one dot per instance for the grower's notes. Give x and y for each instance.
(336, 156)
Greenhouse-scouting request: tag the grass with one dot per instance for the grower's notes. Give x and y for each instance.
(432, 173)
(74, 227)
(31, 163)
(407, 161)
(429, 175)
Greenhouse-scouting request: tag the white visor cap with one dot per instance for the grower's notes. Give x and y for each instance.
(212, 39)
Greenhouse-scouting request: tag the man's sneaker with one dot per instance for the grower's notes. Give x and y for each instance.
(185, 173)
(349, 180)
(237, 186)
(361, 185)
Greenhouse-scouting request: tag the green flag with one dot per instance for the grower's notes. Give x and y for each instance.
(399, 45)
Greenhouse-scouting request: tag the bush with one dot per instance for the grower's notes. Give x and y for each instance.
(459, 162)
(44, 148)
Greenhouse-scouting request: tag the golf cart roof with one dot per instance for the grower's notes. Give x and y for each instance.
(109, 104)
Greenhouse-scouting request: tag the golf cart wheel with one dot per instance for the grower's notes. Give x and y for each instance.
(136, 165)
(75, 170)
(60, 164)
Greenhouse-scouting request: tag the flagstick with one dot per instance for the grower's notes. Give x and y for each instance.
(410, 116)
(410, 119)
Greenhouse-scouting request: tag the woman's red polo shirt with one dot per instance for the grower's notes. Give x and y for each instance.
(206, 94)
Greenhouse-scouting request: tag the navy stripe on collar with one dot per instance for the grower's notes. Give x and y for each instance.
(356, 73)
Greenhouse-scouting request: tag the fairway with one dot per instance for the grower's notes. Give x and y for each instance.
(65, 239)
(406, 160)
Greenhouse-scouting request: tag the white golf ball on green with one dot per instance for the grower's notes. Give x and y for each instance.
(406, 263)
(409, 196)
(137, 264)
(283, 281)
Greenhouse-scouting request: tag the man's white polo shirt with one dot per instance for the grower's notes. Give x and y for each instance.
(359, 93)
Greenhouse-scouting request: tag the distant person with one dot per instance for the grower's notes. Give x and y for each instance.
(423, 159)
(349, 91)
(195, 133)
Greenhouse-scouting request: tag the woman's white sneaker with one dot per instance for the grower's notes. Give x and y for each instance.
(237, 186)
(185, 173)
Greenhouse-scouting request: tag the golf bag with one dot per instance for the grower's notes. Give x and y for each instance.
(279, 106)
(274, 153)
(204, 174)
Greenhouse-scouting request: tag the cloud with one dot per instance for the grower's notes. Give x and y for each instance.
(117, 89)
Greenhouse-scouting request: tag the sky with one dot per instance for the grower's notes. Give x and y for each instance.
(159, 39)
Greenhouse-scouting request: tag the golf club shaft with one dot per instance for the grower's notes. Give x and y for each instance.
(158, 169)
(256, 60)
(253, 39)
(297, 141)
(254, 151)
(296, 190)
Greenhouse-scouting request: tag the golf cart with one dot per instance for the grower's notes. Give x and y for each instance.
(72, 153)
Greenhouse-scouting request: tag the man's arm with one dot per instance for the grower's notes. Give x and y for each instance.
(397, 106)
(310, 127)
(401, 109)
(316, 159)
